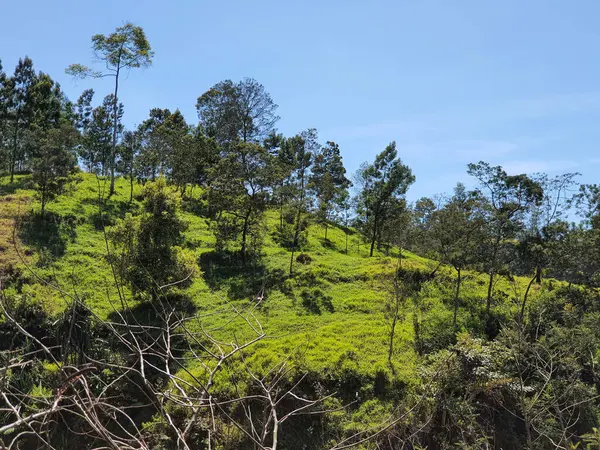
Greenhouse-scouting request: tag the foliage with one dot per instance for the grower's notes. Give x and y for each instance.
(146, 252)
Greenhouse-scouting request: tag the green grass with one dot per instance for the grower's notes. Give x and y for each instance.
(346, 339)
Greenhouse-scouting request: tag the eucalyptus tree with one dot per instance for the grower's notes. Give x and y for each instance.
(4, 99)
(124, 49)
(509, 198)
(300, 149)
(20, 111)
(382, 184)
(128, 152)
(545, 226)
(239, 193)
(231, 111)
(456, 229)
(328, 182)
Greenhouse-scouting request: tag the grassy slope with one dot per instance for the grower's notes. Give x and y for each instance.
(351, 339)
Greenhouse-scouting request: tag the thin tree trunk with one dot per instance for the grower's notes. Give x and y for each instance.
(394, 321)
(131, 188)
(292, 262)
(374, 237)
(456, 296)
(114, 136)
(522, 314)
(245, 232)
(326, 228)
(489, 293)
(346, 242)
(13, 154)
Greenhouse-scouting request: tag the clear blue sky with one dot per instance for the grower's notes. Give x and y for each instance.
(511, 82)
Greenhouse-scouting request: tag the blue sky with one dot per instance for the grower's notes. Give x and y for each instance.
(511, 82)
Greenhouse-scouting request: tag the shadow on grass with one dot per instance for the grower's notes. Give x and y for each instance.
(10, 188)
(152, 313)
(241, 280)
(328, 244)
(112, 210)
(49, 233)
(197, 206)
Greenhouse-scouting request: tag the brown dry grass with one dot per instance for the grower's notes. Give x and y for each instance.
(12, 207)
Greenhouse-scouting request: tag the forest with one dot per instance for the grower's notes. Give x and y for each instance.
(215, 284)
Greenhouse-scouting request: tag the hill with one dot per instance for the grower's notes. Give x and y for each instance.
(328, 323)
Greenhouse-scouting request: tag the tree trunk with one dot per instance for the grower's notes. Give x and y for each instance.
(394, 320)
(538, 275)
(522, 314)
(131, 188)
(373, 238)
(113, 152)
(326, 228)
(245, 233)
(346, 242)
(292, 262)
(13, 153)
(417, 330)
(489, 293)
(392, 332)
(456, 296)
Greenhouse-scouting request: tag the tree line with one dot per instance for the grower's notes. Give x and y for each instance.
(234, 166)
(508, 225)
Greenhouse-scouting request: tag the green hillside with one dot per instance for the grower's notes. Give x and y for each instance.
(327, 321)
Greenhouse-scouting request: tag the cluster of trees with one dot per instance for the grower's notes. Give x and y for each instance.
(536, 375)
(510, 224)
(234, 152)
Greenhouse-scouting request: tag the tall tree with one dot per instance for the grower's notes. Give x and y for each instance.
(240, 189)
(20, 110)
(124, 49)
(328, 182)
(509, 197)
(96, 142)
(456, 229)
(301, 148)
(4, 106)
(156, 134)
(231, 111)
(383, 184)
(128, 151)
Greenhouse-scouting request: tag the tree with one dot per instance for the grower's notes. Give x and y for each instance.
(240, 185)
(84, 111)
(328, 182)
(53, 161)
(237, 111)
(544, 228)
(96, 141)
(146, 248)
(300, 149)
(383, 183)
(127, 48)
(160, 136)
(4, 105)
(128, 151)
(456, 230)
(20, 110)
(509, 197)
